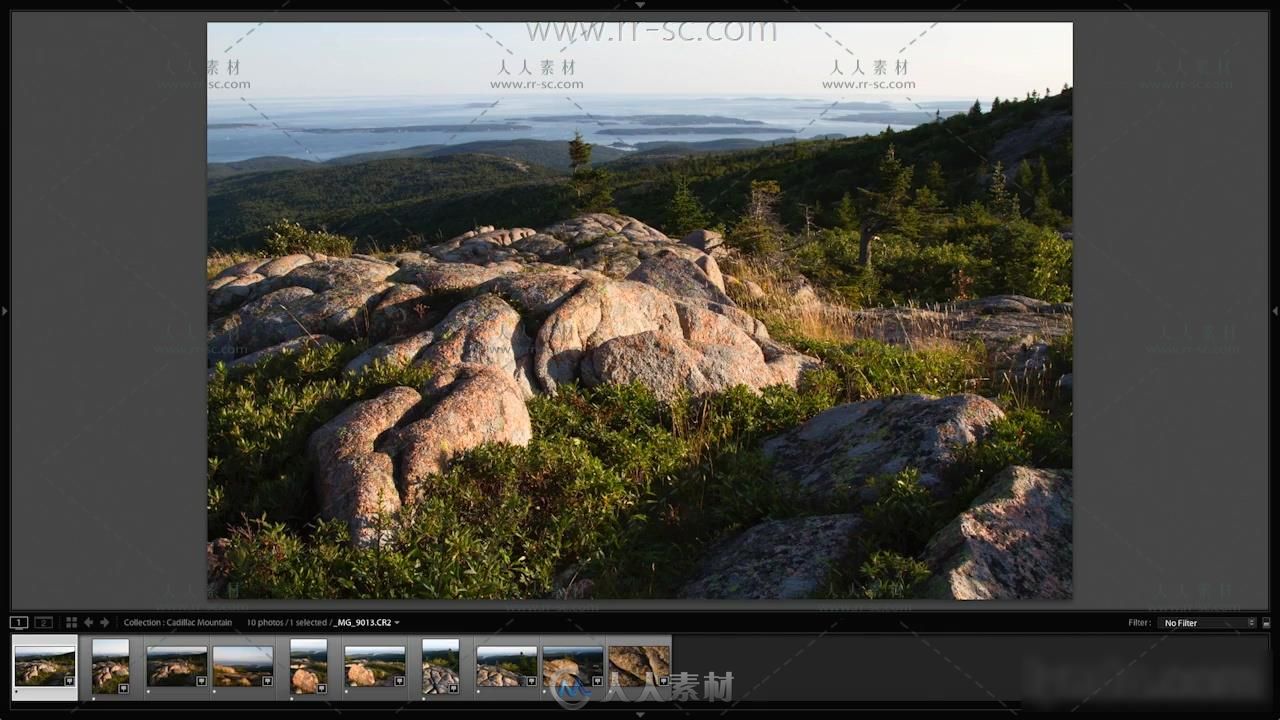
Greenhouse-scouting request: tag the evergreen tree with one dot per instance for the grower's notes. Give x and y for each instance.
(1025, 182)
(884, 208)
(1003, 203)
(579, 152)
(847, 213)
(995, 104)
(934, 179)
(976, 110)
(684, 212)
(759, 229)
(1042, 210)
(591, 188)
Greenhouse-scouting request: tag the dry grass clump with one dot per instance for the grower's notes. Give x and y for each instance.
(782, 299)
(217, 260)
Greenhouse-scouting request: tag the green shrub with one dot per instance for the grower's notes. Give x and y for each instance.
(259, 420)
(904, 515)
(287, 238)
(870, 368)
(890, 576)
(616, 485)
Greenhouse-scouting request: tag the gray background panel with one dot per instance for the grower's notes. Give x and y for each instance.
(107, 316)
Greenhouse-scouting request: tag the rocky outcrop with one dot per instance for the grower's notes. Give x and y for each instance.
(436, 679)
(305, 342)
(707, 241)
(497, 315)
(360, 676)
(1014, 542)
(558, 671)
(682, 278)
(303, 682)
(597, 312)
(494, 676)
(372, 458)
(638, 665)
(473, 405)
(776, 560)
(483, 331)
(1015, 330)
(450, 278)
(106, 671)
(840, 449)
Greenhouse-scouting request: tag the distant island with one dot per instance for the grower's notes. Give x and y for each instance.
(648, 119)
(848, 106)
(230, 125)
(895, 117)
(466, 127)
(699, 130)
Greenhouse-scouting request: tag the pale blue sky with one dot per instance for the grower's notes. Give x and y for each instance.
(308, 645)
(951, 59)
(241, 654)
(437, 645)
(107, 647)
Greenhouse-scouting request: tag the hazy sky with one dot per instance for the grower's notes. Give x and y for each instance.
(167, 650)
(238, 654)
(572, 650)
(110, 647)
(951, 59)
(26, 651)
(433, 645)
(372, 650)
(308, 645)
(499, 650)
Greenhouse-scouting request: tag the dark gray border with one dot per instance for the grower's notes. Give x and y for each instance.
(108, 228)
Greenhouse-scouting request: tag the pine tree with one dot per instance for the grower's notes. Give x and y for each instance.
(579, 152)
(976, 110)
(995, 104)
(592, 188)
(884, 208)
(1042, 210)
(759, 228)
(847, 213)
(1025, 183)
(1000, 200)
(931, 193)
(934, 179)
(684, 211)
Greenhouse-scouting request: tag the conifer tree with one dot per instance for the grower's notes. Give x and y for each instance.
(884, 208)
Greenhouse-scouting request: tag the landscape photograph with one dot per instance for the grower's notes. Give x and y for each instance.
(638, 665)
(441, 666)
(242, 665)
(43, 666)
(177, 666)
(571, 666)
(308, 665)
(583, 325)
(506, 665)
(110, 665)
(374, 666)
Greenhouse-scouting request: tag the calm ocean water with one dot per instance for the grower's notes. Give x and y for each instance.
(253, 131)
